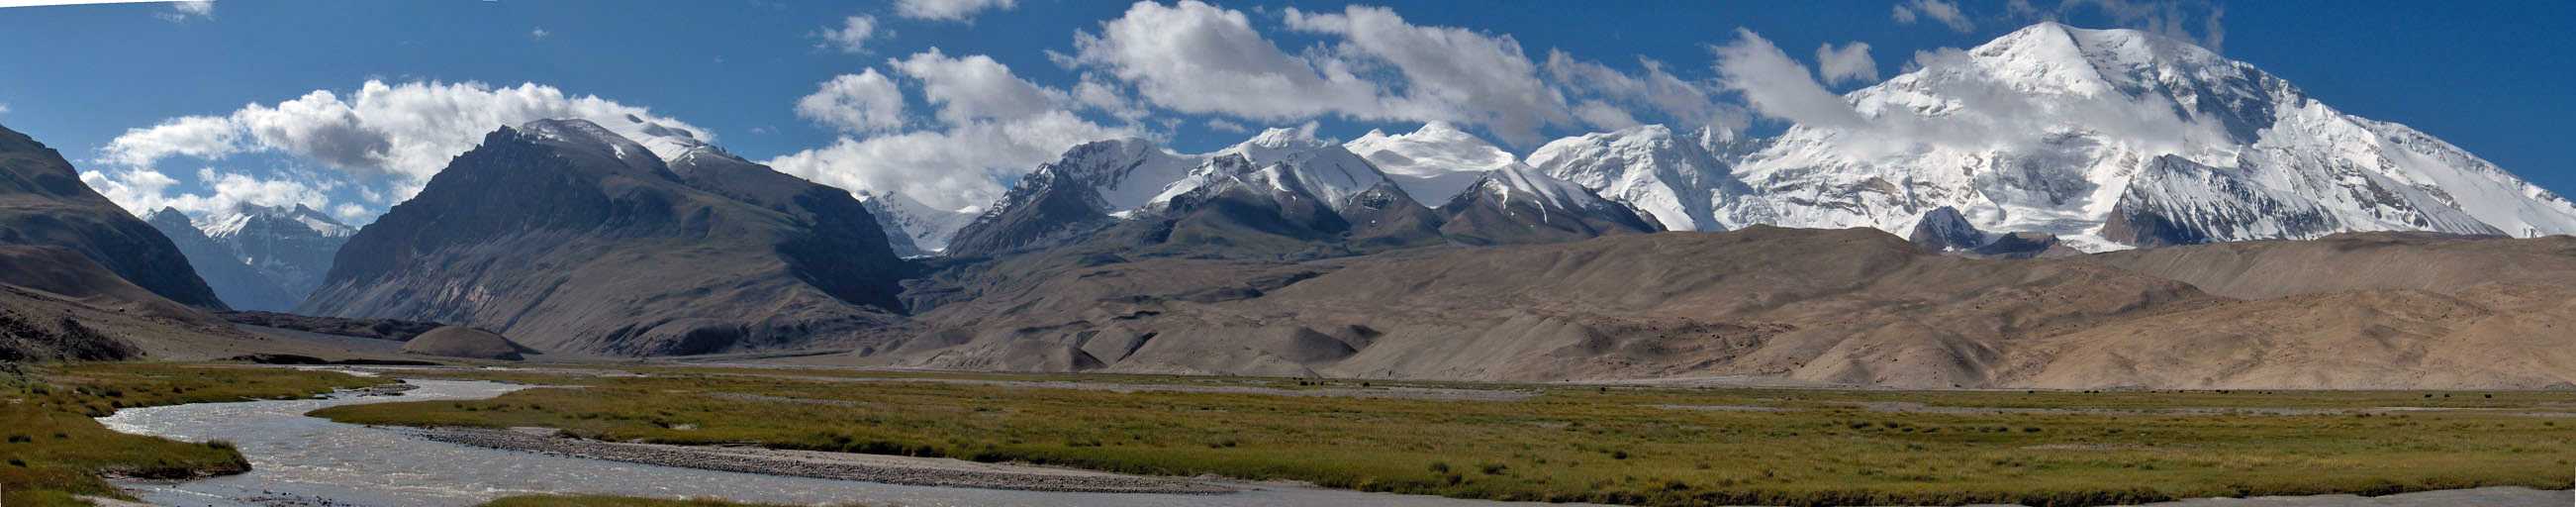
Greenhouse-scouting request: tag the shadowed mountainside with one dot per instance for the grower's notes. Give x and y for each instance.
(44, 203)
(570, 238)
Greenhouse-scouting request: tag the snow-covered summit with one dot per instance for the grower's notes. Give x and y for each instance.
(232, 224)
(1128, 173)
(1672, 179)
(925, 228)
(574, 134)
(1436, 161)
(1321, 167)
(2050, 129)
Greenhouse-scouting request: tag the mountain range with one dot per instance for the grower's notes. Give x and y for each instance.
(258, 257)
(2104, 139)
(2060, 208)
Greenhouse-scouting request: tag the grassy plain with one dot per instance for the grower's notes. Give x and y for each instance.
(53, 450)
(1656, 446)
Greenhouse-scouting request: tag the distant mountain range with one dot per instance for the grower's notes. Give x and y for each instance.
(2030, 133)
(258, 257)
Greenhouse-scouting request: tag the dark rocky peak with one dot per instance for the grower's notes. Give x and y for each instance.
(1047, 207)
(1945, 230)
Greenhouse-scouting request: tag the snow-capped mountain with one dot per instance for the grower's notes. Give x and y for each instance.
(1127, 173)
(926, 229)
(1671, 178)
(1436, 161)
(1047, 207)
(897, 238)
(292, 247)
(2117, 138)
(240, 286)
(1518, 204)
(1322, 168)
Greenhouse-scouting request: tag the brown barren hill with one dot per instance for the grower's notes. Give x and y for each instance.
(1815, 306)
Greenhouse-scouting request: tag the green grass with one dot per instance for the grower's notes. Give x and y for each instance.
(51, 449)
(1612, 445)
(608, 501)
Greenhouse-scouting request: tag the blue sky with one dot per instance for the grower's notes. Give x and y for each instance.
(2492, 77)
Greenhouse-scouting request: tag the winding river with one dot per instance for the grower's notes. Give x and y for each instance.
(299, 461)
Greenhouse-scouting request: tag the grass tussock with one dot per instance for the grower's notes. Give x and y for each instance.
(51, 449)
(1610, 445)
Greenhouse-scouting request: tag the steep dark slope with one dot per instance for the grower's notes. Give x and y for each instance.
(843, 249)
(44, 203)
(1046, 208)
(569, 238)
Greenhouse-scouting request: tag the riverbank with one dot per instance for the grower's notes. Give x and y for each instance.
(55, 453)
(1605, 444)
(903, 470)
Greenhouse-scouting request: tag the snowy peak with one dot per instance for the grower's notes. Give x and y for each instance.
(1323, 169)
(1520, 204)
(582, 136)
(1674, 181)
(924, 229)
(2110, 139)
(272, 218)
(1047, 207)
(1522, 182)
(1127, 173)
(1436, 160)
(1273, 142)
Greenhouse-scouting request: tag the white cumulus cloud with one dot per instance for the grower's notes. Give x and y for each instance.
(1777, 86)
(1849, 63)
(1198, 58)
(1610, 99)
(949, 10)
(957, 168)
(1943, 11)
(392, 136)
(976, 88)
(182, 11)
(143, 191)
(863, 102)
(852, 36)
(195, 136)
(993, 126)
(1449, 73)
